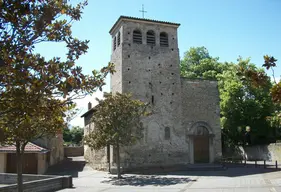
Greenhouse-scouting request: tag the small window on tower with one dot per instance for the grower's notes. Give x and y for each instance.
(152, 100)
(150, 38)
(167, 133)
(164, 39)
(114, 43)
(118, 38)
(137, 37)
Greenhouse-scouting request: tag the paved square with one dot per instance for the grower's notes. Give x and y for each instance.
(230, 180)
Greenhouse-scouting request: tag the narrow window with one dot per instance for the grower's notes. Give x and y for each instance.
(152, 100)
(114, 43)
(137, 37)
(167, 133)
(164, 39)
(118, 38)
(150, 38)
(108, 153)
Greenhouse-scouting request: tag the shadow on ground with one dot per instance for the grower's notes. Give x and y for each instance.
(139, 180)
(230, 172)
(69, 166)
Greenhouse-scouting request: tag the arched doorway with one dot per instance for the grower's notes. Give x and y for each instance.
(201, 145)
(201, 148)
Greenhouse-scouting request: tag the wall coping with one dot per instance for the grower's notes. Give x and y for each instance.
(67, 184)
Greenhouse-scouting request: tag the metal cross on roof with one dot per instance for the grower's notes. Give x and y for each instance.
(143, 11)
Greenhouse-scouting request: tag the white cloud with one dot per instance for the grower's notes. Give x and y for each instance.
(82, 105)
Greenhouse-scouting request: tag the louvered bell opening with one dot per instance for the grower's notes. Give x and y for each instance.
(114, 46)
(118, 39)
(164, 40)
(137, 38)
(150, 38)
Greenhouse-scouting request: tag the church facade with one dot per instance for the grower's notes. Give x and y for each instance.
(184, 127)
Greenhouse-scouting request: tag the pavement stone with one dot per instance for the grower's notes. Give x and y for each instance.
(231, 180)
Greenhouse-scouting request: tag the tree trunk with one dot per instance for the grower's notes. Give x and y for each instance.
(108, 157)
(19, 167)
(118, 161)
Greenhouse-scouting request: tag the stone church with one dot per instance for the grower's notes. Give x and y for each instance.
(185, 125)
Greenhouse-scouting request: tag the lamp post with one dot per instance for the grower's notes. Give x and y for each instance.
(247, 135)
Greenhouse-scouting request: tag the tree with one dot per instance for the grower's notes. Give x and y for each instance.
(117, 121)
(73, 135)
(77, 134)
(36, 93)
(67, 137)
(243, 104)
(197, 63)
(258, 79)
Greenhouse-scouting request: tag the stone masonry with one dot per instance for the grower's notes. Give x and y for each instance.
(181, 108)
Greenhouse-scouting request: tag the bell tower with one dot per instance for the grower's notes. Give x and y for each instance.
(146, 57)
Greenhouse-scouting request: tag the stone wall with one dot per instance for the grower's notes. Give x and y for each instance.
(73, 151)
(35, 182)
(270, 152)
(55, 145)
(200, 105)
(10, 178)
(96, 158)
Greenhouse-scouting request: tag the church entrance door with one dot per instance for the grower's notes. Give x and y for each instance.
(201, 149)
(201, 145)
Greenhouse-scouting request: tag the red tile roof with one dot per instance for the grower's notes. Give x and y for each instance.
(29, 148)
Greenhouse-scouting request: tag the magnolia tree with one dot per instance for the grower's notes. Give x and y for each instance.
(259, 79)
(35, 92)
(117, 121)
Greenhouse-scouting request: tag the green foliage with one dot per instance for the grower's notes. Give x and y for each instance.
(117, 122)
(197, 63)
(73, 135)
(35, 93)
(242, 103)
(30, 85)
(258, 79)
(67, 137)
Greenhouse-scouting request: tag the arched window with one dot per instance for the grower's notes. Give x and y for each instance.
(150, 38)
(137, 37)
(114, 43)
(167, 133)
(118, 38)
(164, 42)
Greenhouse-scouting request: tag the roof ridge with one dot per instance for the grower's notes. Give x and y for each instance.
(146, 19)
(141, 19)
(30, 147)
(37, 146)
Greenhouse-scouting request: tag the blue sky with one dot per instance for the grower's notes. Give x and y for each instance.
(227, 28)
